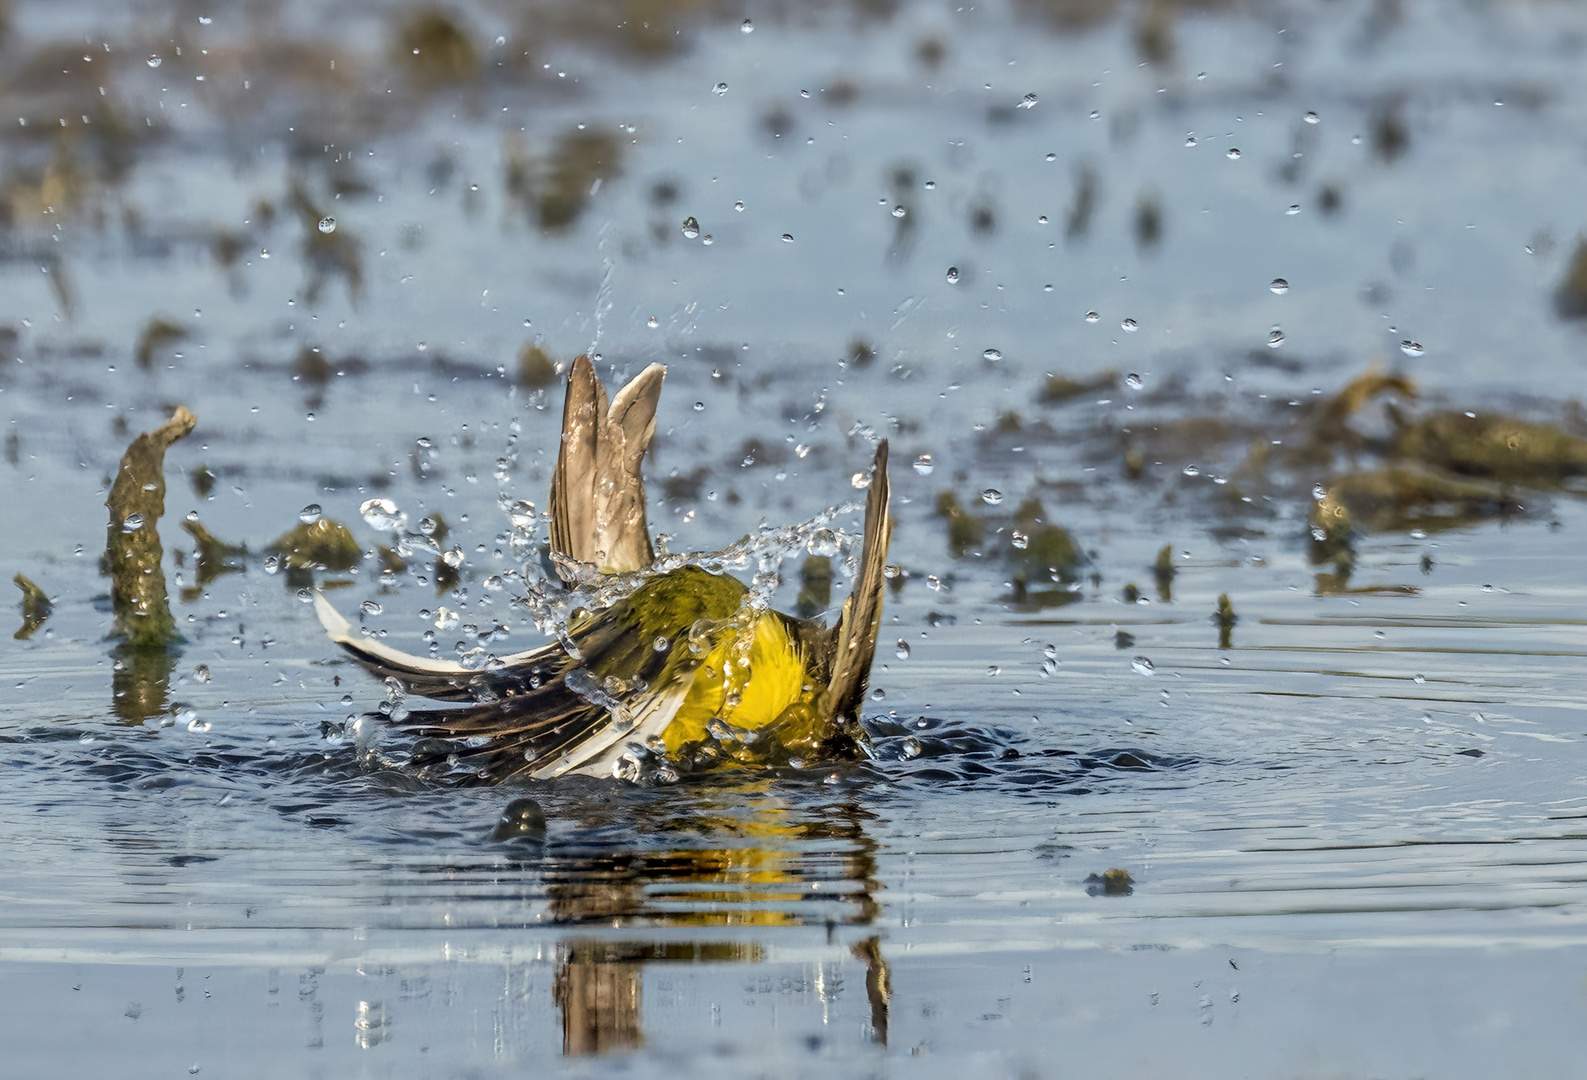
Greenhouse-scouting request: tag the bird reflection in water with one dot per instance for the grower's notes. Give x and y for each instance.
(760, 865)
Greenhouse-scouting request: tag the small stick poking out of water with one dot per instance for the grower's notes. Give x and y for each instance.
(133, 551)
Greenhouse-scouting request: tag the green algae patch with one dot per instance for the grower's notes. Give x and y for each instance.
(36, 608)
(133, 552)
(1494, 446)
(321, 545)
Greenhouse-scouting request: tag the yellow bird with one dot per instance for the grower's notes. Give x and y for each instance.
(686, 668)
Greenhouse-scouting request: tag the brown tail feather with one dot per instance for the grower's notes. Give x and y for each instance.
(597, 493)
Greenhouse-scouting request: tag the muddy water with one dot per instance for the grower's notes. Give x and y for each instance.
(1013, 239)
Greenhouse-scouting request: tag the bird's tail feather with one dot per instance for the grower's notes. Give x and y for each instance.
(597, 492)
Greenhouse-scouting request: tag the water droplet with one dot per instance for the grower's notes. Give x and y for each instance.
(787, 238)
(1419, 679)
(327, 224)
(860, 481)
(924, 465)
(1132, 381)
(1190, 140)
(1411, 348)
(739, 206)
(382, 515)
(1279, 286)
(1233, 153)
(747, 27)
(310, 513)
(1319, 491)
(132, 523)
(719, 89)
(1019, 540)
(1130, 326)
(1027, 102)
(910, 748)
(1293, 210)
(370, 607)
(1275, 338)
(154, 60)
(661, 643)
(652, 322)
(1191, 470)
(899, 211)
(1142, 665)
(1052, 157)
(691, 228)
(991, 496)
(1092, 316)
(1312, 118)
(823, 542)
(707, 240)
(699, 406)
(903, 649)
(201, 673)
(953, 275)
(991, 356)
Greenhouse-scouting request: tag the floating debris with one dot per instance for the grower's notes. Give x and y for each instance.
(36, 607)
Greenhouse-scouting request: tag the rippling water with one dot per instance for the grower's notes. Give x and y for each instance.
(1349, 821)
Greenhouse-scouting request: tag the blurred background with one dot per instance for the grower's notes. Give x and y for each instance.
(1231, 357)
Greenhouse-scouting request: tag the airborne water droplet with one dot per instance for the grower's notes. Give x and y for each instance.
(1142, 665)
(154, 60)
(991, 356)
(953, 275)
(823, 542)
(1191, 470)
(327, 224)
(1312, 118)
(747, 27)
(1233, 153)
(924, 465)
(903, 649)
(1279, 286)
(382, 515)
(132, 523)
(1293, 210)
(1130, 326)
(1411, 348)
(991, 496)
(310, 513)
(1092, 316)
(719, 89)
(1275, 338)
(1132, 381)
(691, 228)
(1027, 102)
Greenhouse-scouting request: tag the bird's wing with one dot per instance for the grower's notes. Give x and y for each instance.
(854, 643)
(538, 715)
(597, 492)
(443, 680)
(545, 733)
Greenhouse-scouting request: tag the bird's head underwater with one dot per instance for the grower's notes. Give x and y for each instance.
(686, 667)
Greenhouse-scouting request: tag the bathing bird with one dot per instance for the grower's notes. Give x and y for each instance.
(686, 668)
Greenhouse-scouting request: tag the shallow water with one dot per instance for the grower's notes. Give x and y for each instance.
(1352, 830)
